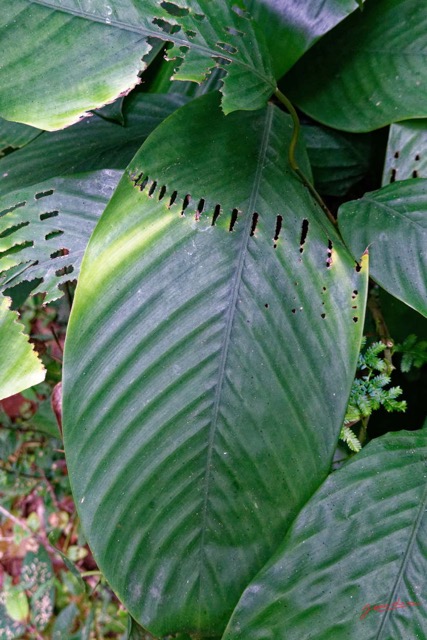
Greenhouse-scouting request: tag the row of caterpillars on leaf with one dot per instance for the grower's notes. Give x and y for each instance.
(142, 183)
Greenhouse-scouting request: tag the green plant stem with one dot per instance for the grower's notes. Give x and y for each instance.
(381, 327)
(95, 572)
(363, 430)
(291, 154)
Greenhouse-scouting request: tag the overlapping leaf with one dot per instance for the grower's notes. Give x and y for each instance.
(359, 543)
(338, 160)
(14, 135)
(392, 222)
(406, 155)
(369, 71)
(190, 357)
(293, 26)
(89, 145)
(99, 48)
(44, 229)
(20, 367)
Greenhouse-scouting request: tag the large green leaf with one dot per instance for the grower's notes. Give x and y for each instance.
(406, 155)
(44, 229)
(79, 54)
(92, 144)
(207, 367)
(392, 222)
(361, 540)
(338, 160)
(293, 26)
(20, 367)
(369, 71)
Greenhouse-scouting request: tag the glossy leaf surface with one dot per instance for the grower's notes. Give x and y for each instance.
(20, 367)
(406, 155)
(44, 229)
(361, 540)
(91, 144)
(392, 222)
(369, 71)
(293, 26)
(45, 41)
(189, 360)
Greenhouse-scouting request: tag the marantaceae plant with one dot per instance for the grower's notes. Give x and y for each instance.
(219, 310)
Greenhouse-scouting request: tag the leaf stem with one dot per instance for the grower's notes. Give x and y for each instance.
(374, 307)
(291, 154)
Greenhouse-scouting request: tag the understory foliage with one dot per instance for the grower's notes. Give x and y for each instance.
(213, 222)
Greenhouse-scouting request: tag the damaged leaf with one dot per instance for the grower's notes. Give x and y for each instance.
(197, 297)
(44, 229)
(392, 222)
(203, 35)
(406, 155)
(20, 366)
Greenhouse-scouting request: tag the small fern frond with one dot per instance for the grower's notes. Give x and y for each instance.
(350, 438)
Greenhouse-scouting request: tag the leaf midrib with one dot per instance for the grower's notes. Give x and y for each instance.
(152, 33)
(227, 336)
(405, 560)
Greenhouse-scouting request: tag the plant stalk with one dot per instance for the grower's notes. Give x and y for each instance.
(291, 154)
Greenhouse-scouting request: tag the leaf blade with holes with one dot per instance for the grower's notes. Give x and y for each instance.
(406, 155)
(368, 72)
(367, 522)
(21, 367)
(177, 381)
(393, 223)
(44, 229)
(205, 35)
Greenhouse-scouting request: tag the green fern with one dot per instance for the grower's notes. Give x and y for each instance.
(350, 438)
(369, 392)
(414, 353)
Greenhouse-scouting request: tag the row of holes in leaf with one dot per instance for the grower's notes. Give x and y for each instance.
(66, 270)
(323, 315)
(183, 12)
(143, 183)
(393, 173)
(23, 203)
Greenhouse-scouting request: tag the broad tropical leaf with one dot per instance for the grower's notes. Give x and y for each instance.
(293, 26)
(20, 367)
(44, 229)
(338, 160)
(45, 41)
(406, 151)
(369, 71)
(190, 358)
(392, 222)
(353, 566)
(92, 144)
